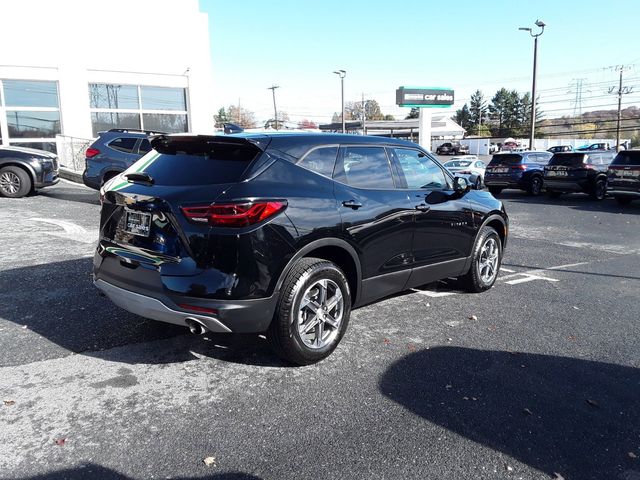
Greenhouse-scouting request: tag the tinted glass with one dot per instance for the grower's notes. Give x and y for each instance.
(456, 163)
(321, 160)
(145, 146)
(479, 164)
(366, 167)
(102, 95)
(165, 122)
(627, 158)
(102, 121)
(33, 124)
(162, 98)
(506, 159)
(225, 164)
(567, 159)
(420, 171)
(23, 93)
(124, 144)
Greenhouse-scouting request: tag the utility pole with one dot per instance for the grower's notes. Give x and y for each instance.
(342, 74)
(621, 91)
(364, 116)
(275, 111)
(540, 24)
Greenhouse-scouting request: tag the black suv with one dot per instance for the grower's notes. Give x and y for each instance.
(521, 170)
(578, 172)
(452, 148)
(23, 170)
(112, 153)
(286, 233)
(623, 180)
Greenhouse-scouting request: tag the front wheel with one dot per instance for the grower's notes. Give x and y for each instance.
(312, 313)
(485, 262)
(14, 182)
(599, 190)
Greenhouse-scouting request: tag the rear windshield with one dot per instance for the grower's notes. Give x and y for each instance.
(221, 164)
(506, 159)
(458, 163)
(567, 159)
(627, 158)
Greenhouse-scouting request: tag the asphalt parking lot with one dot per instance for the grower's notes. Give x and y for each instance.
(537, 378)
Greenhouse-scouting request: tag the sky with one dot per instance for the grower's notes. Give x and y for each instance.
(382, 45)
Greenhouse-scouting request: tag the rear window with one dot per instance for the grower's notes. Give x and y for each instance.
(627, 158)
(567, 159)
(219, 164)
(123, 144)
(458, 163)
(506, 159)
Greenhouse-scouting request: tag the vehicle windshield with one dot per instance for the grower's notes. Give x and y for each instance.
(506, 159)
(627, 158)
(567, 159)
(457, 163)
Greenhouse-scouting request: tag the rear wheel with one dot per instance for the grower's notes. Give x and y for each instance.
(599, 190)
(108, 176)
(485, 262)
(495, 190)
(312, 313)
(535, 186)
(14, 182)
(624, 200)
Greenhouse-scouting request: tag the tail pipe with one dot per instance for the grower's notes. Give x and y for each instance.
(196, 326)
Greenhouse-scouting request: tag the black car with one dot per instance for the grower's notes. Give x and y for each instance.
(560, 149)
(623, 180)
(452, 148)
(287, 233)
(521, 170)
(584, 172)
(112, 153)
(24, 170)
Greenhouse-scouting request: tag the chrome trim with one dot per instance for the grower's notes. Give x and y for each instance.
(154, 309)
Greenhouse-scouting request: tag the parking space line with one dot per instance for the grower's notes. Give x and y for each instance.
(432, 294)
(529, 278)
(537, 271)
(508, 270)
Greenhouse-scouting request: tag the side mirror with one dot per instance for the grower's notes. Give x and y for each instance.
(461, 185)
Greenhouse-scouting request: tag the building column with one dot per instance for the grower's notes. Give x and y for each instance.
(424, 132)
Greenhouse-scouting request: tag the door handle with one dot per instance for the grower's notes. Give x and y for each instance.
(351, 204)
(423, 207)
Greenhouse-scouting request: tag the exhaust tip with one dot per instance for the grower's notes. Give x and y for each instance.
(196, 326)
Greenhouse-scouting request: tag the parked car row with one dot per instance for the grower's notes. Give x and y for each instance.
(594, 172)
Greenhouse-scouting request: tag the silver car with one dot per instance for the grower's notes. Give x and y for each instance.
(465, 166)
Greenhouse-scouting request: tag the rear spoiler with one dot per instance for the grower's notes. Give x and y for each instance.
(173, 144)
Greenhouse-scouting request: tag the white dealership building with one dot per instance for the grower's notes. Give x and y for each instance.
(76, 68)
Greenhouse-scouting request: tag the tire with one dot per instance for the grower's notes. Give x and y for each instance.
(485, 262)
(535, 186)
(495, 190)
(553, 194)
(108, 176)
(479, 185)
(305, 282)
(624, 200)
(599, 190)
(14, 182)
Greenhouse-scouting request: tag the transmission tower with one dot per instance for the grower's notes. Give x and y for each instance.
(576, 87)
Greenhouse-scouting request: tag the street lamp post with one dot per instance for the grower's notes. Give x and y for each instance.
(275, 110)
(541, 24)
(342, 74)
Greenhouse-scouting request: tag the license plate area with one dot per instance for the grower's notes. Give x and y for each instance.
(501, 170)
(137, 223)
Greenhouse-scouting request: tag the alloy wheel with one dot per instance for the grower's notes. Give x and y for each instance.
(320, 314)
(488, 260)
(9, 183)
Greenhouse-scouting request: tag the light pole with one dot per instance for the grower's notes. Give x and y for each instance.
(275, 111)
(342, 74)
(541, 24)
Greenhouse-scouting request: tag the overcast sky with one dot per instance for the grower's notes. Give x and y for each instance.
(382, 45)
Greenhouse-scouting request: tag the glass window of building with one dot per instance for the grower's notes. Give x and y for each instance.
(158, 109)
(30, 113)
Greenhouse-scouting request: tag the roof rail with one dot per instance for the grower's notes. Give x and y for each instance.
(136, 130)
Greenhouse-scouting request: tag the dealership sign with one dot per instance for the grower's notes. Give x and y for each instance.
(424, 97)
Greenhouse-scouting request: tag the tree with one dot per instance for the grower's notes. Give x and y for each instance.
(478, 111)
(389, 117)
(221, 118)
(463, 117)
(307, 124)
(353, 110)
(505, 112)
(241, 116)
(283, 119)
(336, 118)
(414, 113)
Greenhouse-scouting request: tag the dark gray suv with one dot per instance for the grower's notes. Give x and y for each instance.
(112, 153)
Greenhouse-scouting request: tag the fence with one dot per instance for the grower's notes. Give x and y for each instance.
(71, 151)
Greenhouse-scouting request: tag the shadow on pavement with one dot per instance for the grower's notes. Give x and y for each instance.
(71, 194)
(577, 201)
(58, 301)
(575, 417)
(98, 472)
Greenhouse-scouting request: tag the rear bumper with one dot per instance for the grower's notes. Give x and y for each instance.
(567, 186)
(239, 316)
(91, 182)
(504, 182)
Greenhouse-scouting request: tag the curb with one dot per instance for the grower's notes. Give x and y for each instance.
(70, 175)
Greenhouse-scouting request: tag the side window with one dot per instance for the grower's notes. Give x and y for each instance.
(365, 167)
(123, 144)
(594, 159)
(479, 164)
(419, 170)
(144, 147)
(320, 160)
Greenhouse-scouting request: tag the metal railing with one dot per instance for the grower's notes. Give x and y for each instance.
(71, 151)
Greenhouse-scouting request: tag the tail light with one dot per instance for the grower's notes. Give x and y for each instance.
(91, 152)
(233, 214)
(197, 308)
(588, 166)
(520, 167)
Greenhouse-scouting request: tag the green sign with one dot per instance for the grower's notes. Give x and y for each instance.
(424, 97)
